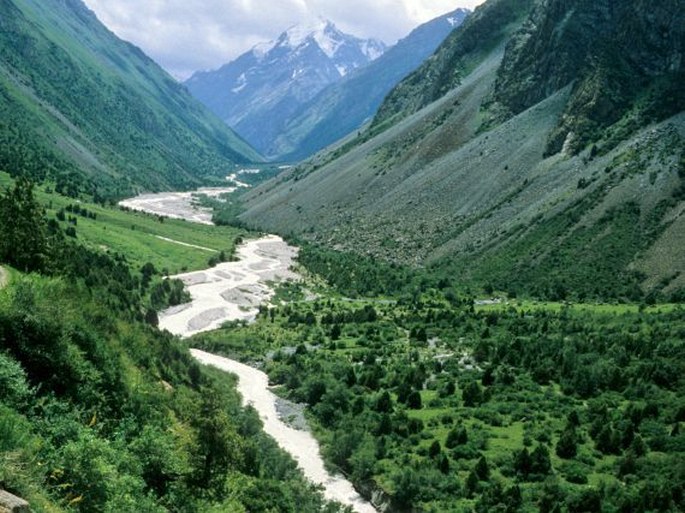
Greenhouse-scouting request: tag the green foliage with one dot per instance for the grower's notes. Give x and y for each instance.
(96, 116)
(513, 402)
(354, 275)
(13, 385)
(124, 418)
(23, 238)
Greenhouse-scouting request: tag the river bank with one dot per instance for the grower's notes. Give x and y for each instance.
(234, 291)
(253, 386)
(231, 290)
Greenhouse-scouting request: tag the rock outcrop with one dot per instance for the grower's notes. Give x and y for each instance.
(12, 504)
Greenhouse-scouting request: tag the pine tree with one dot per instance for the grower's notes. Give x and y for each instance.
(482, 470)
(567, 446)
(23, 240)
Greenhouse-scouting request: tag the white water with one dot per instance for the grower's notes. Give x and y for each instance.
(231, 291)
(253, 386)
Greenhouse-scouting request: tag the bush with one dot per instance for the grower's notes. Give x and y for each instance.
(14, 389)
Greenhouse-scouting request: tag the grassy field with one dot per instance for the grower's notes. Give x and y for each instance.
(137, 235)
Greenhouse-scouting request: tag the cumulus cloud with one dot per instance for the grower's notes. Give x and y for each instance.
(189, 35)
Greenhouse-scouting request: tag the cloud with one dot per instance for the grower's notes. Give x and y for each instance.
(190, 35)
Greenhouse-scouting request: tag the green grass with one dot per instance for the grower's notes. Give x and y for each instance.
(135, 234)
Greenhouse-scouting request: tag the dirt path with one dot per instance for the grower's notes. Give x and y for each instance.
(3, 277)
(201, 248)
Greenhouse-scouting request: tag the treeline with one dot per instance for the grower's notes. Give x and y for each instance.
(32, 243)
(356, 276)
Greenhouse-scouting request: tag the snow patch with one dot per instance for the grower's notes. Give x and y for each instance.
(240, 84)
(261, 49)
(298, 34)
(373, 49)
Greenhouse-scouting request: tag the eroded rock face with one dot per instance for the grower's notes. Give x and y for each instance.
(12, 504)
(611, 51)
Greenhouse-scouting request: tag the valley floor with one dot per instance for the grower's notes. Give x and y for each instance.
(235, 291)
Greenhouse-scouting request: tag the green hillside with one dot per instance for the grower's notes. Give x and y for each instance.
(453, 175)
(99, 410)
(96, 115)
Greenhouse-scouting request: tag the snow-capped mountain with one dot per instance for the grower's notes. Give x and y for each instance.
(344, 106)
(261, 89)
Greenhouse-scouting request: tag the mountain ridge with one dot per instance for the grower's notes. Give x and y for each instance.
(94, 114)
(345, 106)
(256, 92)
(439, 180)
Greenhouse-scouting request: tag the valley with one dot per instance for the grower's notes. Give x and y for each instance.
(449, 279)
(236, 291)
(341, 341)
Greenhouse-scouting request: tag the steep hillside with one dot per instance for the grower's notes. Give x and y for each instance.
(346, 105)
(261, 90)
(486, 28)
(93, 113)
(624, 59)
(482, 197)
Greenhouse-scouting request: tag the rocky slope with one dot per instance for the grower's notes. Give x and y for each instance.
(92, 113)
(490, 25)
(624, 59)
(258, 92)
(462, 172)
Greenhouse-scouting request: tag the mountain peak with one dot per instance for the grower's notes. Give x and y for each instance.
(274, 79)
(327, 36)
(316, 28)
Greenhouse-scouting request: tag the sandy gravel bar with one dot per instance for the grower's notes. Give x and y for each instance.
(232, 290)
(175, 205)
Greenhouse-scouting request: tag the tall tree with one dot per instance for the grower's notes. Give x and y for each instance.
(23, 241)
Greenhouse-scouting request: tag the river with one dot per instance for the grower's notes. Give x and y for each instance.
(231, 291)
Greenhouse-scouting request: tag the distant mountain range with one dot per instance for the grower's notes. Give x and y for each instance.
(344, 106)
(92, 113)
(541, 149)
(313, 85)
(258, 92)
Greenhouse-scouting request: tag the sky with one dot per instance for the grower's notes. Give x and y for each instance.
(185, 36)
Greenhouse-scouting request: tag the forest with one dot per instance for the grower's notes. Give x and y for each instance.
(446, 404)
